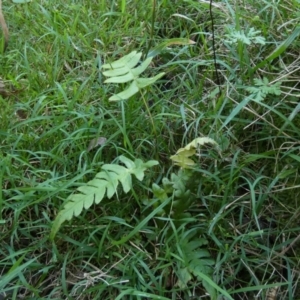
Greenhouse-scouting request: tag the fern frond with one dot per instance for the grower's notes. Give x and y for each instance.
(104, 184)
(196, 261)
(124, 70)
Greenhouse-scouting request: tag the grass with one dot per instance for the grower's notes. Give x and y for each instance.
(228, 229)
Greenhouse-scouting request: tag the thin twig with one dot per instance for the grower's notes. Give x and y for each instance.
(214, 48)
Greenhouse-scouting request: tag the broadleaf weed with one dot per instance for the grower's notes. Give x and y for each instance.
(262, 88)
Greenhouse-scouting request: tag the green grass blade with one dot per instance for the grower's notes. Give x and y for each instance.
(214, 285)
(279, 50)
(142, 223)
(236, 110)
(14, 271)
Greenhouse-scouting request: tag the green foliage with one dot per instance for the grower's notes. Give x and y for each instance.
(258, 92)
(57, 129)
(177, 188)
(158, 49)
(182, 156)
(262, 88)
(279, 49)
(251, 37)
(181, 187)
(196, 260)
(104, 184)
(124, 70)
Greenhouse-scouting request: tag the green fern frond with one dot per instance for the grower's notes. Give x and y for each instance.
(124, 70)
(104, 184)
(196, 261)
(178, 189)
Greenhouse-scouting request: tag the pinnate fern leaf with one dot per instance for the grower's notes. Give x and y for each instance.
(196, 261)
(124, 70)
(104, 184)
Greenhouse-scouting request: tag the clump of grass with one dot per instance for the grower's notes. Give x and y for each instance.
(243, 202)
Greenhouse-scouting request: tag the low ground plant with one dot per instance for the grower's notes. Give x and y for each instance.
(146, 154)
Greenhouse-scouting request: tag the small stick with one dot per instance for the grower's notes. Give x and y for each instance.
(4, 27)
